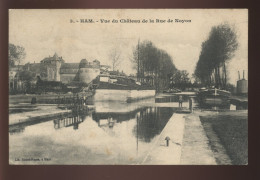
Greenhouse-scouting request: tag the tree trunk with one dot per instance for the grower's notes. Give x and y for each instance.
(216, 77)
(225, 75)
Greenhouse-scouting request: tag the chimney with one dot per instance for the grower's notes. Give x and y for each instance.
(238, 75)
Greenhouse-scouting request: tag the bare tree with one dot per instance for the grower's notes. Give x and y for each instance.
(115, 57)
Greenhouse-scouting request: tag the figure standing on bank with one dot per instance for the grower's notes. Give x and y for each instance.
(180, 101)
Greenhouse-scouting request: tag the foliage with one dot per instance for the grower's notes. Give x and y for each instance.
(180, 79)
(26, 77)
(216, 51)
(153, 65)
(15, 55)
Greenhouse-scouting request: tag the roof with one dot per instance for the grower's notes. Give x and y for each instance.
(83, 63)
(54, 57)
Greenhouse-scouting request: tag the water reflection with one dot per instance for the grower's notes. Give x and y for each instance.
(69, 121)
(73, 119)
(149, 120)
(16, 129)
(115, 116)
(103, 136)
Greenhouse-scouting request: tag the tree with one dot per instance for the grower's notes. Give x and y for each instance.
(26, 77)
(180, 79)
(115, 56)
(216, 51)
(15, 54)
(153, 65)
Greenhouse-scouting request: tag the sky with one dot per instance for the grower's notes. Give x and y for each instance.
(44, 32)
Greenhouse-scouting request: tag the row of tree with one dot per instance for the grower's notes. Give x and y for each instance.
(153, 65)
(216, 51)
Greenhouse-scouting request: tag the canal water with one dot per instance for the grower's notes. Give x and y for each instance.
(112, 133)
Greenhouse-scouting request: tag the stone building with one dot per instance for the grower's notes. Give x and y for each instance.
(54, 68)
(88, 70)
(68, 72)
(48, 68)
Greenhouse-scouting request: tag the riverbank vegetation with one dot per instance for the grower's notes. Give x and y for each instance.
(156, 67)
(216, 52)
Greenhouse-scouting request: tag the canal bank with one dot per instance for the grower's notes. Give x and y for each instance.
(167, 153)
(201, 138)
(39, 112)
(195, 145)
(188, 143)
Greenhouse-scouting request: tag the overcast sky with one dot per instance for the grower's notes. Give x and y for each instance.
(44, 32)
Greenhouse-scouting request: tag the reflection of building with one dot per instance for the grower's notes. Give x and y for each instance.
(109, 119)
(68, 121)
(118, 117)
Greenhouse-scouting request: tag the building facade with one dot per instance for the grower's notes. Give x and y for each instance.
(54, 68)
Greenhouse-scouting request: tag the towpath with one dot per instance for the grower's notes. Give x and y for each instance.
(195, 144)
(188, 143)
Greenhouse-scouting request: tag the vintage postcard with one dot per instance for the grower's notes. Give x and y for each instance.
(128, 86)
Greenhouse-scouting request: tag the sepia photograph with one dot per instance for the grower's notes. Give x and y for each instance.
(128, 86)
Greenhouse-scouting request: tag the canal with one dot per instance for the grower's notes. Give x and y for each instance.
(112, 133)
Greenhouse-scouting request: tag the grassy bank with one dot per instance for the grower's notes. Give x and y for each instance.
(232, 131)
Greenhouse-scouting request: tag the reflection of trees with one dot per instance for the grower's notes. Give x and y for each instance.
(151, 121)
(118, 117)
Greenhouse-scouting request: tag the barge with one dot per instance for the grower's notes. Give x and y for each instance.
(120, 88)
(209, 98)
